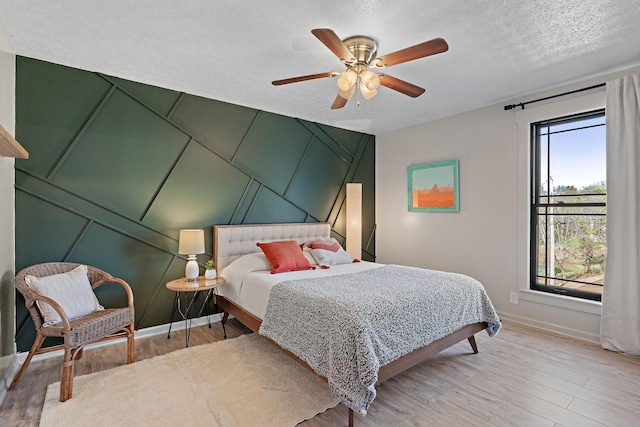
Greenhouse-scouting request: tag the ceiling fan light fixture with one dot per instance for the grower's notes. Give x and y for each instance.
(369, 79)
(347, 94)
(367, 93)
(347, 80)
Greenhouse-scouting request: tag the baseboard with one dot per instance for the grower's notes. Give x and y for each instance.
(551, 327)
(175, 326)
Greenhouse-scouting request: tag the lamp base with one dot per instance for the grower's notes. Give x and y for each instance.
(192, 270)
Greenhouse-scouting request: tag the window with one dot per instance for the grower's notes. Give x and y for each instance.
(568, 206)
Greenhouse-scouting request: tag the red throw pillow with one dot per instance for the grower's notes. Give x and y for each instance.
(285, 256)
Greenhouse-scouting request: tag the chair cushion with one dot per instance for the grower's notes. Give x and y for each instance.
(71, 290)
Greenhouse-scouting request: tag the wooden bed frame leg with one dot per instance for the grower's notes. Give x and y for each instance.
(350, 417)
(474, 346)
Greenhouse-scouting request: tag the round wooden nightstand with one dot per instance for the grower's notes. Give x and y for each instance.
(195, 287)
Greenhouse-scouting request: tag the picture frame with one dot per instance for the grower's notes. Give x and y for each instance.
(434, 187)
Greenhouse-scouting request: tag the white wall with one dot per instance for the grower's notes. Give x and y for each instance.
(7, 218)
(488, 238)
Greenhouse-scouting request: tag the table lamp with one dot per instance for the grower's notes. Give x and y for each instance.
(191, 243)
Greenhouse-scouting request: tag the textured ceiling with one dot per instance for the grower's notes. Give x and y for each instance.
(232, 50)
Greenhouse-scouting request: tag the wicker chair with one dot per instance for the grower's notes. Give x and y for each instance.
(101, 325)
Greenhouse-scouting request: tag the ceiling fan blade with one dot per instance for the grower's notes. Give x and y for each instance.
(334, 43)
(421, 50)
(401, 86)
(304, 78)
(339, 102)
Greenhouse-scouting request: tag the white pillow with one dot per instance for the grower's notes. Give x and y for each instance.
(328, 257)
(234, 272)
(328, 252)
(71, 290)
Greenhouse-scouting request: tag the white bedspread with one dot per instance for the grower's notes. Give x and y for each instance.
(251, 290)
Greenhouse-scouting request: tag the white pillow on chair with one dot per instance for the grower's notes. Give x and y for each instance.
(71, 290)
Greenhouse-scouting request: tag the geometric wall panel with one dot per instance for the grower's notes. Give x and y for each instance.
(47, 232)
(105, 164)
(201, 190)
(77, 94)
(117, 168)
(269, 208)
(159, 99)
(243, 207)
(218, 125)
(318, 181)
(273, 149)
(347, 138)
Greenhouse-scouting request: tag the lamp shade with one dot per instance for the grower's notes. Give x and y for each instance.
(191, 242)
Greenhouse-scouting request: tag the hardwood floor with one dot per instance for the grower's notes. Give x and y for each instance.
(521, 377)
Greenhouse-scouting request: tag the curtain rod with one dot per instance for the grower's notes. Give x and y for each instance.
(522, 104)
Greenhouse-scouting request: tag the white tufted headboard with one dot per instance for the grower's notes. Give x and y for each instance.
(233, 241)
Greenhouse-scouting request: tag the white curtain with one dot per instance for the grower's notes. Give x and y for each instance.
(620, 325)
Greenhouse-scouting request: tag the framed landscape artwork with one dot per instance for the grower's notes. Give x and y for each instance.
(434, 187)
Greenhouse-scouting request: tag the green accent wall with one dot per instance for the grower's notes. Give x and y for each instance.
(116, 168)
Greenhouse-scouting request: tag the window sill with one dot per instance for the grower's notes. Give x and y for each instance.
(561, 301)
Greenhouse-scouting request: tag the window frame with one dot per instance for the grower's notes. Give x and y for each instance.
(535, 204)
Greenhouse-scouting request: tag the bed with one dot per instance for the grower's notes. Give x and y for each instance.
(385, 320)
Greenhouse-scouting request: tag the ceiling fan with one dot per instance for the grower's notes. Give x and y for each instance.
(359, 54)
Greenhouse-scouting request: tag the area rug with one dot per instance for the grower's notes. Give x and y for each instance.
(238, 382)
